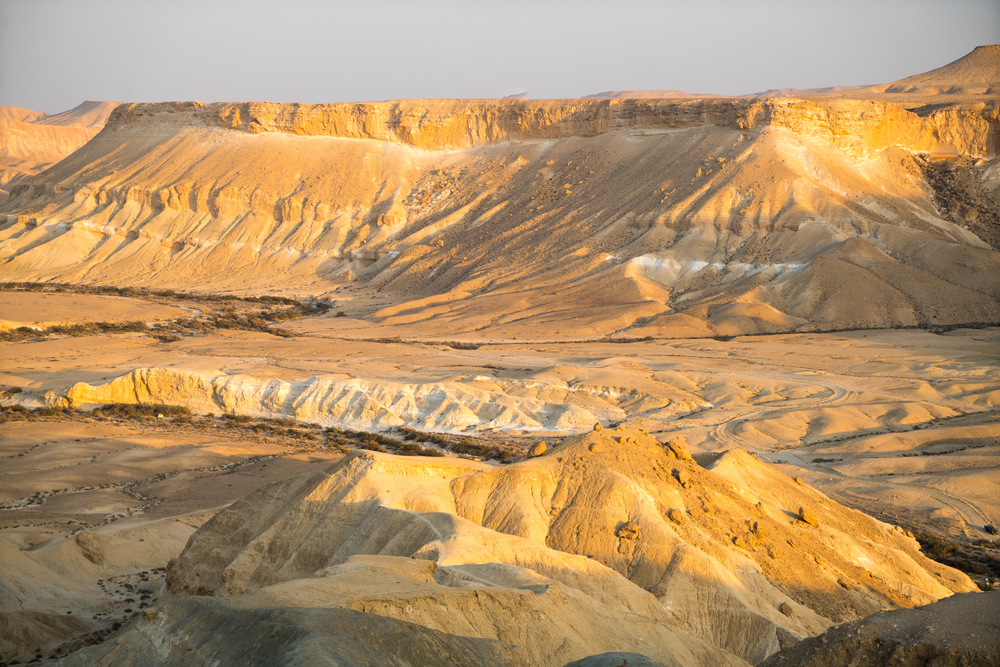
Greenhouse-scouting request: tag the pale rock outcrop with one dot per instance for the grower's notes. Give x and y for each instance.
(454, 405)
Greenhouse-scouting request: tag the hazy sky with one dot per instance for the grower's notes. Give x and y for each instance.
(56, 53)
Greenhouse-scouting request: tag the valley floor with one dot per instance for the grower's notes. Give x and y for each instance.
(902, 424)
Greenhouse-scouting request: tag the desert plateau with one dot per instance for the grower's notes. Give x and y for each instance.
(637, 378)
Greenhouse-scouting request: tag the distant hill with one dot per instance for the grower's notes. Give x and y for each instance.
(31, 141)
(680, 94)
(977, 73)
(88, 114)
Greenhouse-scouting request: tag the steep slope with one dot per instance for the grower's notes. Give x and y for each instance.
(486, 216)
(608, 526)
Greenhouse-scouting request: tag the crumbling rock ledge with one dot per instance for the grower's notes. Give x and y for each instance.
(856, 125)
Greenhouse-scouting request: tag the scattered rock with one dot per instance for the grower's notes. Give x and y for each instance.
(596, 448)
(92, 547)
(630, 531)
(807, 515)
(598, 427)
(785, 608)
(538, 449)
(679, 448)
(798, 480)
(676, 516)
(684, 477)
(149, 614)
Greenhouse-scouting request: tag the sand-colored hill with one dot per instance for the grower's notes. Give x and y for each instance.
(31, 141)
(89, 114)
(961, 630)
(612, 524)
(601, 216)
(977, 73)
(972, 79)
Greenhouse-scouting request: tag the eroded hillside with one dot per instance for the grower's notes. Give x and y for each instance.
(635, 217)
(609, 542)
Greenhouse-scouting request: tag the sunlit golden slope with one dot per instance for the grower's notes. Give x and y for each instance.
(598, 216)
(623, 543)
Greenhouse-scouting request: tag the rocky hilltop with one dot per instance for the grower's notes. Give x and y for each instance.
(860, 125)
(608, 542)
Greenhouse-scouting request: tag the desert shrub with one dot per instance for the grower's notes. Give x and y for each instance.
(457, 345)
(467, 446)
(237, 419)
(142, 410)
(412, 449)
(371, 446)
(51, 411)
(14, 413)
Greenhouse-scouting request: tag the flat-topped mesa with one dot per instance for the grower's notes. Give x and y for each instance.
(854, 125)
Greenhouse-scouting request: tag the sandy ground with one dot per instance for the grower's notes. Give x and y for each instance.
(906, 419)
(19, 309)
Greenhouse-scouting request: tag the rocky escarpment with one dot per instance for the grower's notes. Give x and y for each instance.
(861, 126)
(736, 215)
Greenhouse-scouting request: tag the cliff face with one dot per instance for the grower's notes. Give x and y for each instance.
(450, 124)
(774, 214)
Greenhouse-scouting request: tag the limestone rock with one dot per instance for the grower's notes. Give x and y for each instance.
(785, 609)
(537, 449)
(808, 516)
(676, 516)
(678, 446)
(90, 544)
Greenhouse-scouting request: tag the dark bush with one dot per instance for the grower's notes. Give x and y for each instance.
(142, 410)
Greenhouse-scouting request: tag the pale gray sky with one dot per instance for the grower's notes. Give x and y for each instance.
(56, 53)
